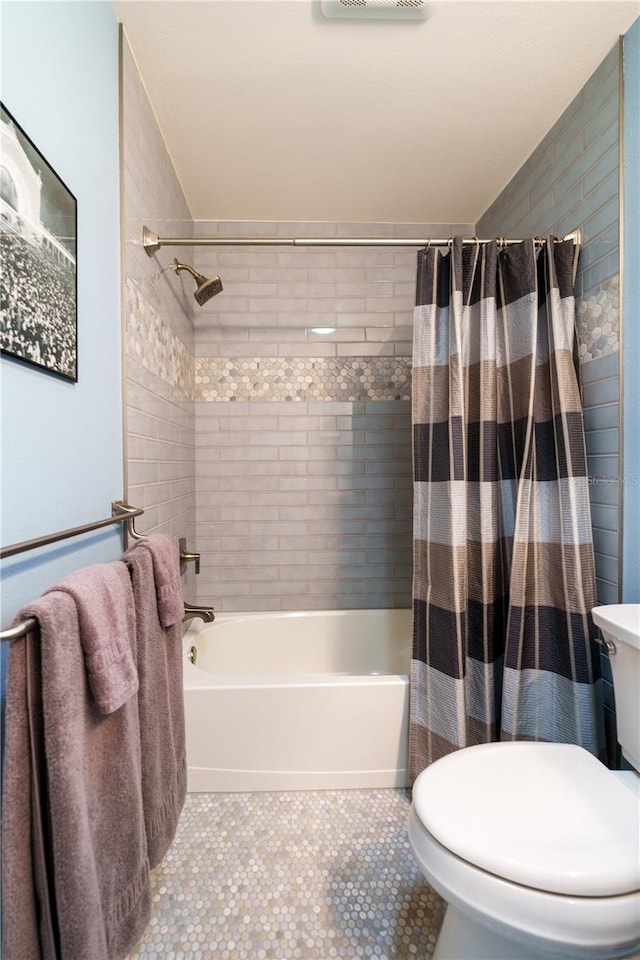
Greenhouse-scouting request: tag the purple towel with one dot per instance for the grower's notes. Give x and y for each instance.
(28, 924)
(160, 697)
(165, 556)
(103, 597)
(83, 850)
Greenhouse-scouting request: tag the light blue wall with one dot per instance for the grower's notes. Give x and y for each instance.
(631, 278)
(62, 442)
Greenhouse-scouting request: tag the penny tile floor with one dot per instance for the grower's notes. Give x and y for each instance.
(304, 875)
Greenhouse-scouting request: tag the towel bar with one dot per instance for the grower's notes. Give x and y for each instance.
(121, 512)
(191, 612)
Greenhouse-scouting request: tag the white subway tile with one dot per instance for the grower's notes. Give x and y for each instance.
(324, 349)
(381, 349)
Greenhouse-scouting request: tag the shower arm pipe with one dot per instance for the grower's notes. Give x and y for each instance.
(152, 242)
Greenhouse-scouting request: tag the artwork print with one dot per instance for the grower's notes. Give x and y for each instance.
(38, 280)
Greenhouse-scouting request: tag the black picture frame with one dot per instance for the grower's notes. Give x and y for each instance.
(38, 257)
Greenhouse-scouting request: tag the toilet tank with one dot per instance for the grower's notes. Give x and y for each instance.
(620, 624)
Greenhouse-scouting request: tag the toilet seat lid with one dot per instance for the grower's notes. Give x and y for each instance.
(543, 815)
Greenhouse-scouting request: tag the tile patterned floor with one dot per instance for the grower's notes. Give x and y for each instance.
(292, 876)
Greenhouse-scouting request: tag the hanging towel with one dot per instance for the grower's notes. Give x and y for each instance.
(28, 908)
(154, 564)
(107, 631)
(165, 557)
(90, 825)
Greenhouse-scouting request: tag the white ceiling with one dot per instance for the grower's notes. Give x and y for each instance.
(270, 111)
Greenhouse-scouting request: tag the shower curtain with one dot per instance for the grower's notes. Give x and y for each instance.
(504, 647)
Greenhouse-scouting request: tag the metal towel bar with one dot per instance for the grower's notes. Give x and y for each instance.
(121, 512)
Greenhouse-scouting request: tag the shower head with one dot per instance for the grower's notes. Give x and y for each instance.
(206, 288)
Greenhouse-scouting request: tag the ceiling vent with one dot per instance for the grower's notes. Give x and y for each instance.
(374, 9)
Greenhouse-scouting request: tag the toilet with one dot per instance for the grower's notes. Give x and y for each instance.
(536, 846)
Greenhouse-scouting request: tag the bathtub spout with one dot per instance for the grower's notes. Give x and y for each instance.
(194, 612)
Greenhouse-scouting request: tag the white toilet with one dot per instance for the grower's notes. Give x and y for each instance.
(536, 846)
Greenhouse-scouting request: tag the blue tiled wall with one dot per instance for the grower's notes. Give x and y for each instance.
(631, 492)
(571, 180)
(601, 396)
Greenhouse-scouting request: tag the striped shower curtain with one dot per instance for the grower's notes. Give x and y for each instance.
(504, 647)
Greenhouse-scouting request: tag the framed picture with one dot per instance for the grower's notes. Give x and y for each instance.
(38, 279)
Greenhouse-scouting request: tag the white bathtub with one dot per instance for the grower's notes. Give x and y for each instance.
(297, 701)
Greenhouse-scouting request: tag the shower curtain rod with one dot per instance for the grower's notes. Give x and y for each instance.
(152, 242)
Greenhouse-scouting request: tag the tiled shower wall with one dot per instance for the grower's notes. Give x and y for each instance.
(303, 439)
(159, 327)
(571, 180)
(298, 443)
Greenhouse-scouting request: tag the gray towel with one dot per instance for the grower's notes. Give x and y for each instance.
(102, 594)
(28, 922)
(92, 825)
(165, 556)
(160, 699)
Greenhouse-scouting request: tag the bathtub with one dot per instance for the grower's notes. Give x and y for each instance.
(298, 701)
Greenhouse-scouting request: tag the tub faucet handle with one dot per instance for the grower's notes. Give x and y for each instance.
(186, 557)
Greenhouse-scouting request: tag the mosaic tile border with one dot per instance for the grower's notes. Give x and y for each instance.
(308, 378)
(598, 321)
(154, 345)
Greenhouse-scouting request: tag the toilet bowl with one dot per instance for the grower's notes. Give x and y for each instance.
(536, 846)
